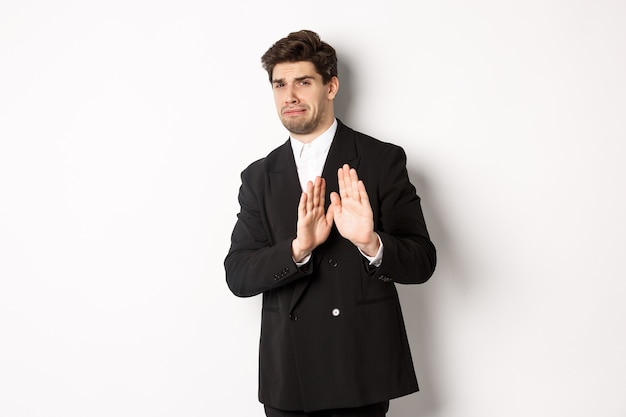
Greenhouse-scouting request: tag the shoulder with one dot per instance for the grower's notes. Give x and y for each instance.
(268, 162)
(366, 144)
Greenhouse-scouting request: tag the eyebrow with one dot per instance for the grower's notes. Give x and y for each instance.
(302, 78)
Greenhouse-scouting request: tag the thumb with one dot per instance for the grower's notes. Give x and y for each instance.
(330, 214)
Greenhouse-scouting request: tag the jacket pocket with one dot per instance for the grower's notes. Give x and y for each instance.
(374, 290)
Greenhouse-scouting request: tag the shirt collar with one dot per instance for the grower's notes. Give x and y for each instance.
(319, 144)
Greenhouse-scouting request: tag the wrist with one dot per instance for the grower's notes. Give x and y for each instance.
(371, 247)
(297, 253)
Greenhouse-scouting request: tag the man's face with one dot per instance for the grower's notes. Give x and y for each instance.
(303, 101)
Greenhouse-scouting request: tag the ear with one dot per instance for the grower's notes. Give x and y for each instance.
(333, 87)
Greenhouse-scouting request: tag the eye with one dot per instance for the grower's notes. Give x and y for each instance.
(279, 85)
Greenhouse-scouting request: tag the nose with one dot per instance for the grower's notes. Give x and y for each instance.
(290, 96)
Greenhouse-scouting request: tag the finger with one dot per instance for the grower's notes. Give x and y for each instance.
(350, 189)
(354, 184)
(330, 214)
(335, 201)
(335, 204)
(362, 191)
(316, 192)
(343, 177)
(322, 195)
(341, 182)
(302, 206)
(309, 199)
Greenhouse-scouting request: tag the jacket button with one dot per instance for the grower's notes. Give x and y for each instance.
(336, 312)
(333, 263)
(293, 317)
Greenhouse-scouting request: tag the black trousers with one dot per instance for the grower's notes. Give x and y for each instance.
(372, 410)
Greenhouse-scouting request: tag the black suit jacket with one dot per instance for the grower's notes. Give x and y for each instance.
(332, 332)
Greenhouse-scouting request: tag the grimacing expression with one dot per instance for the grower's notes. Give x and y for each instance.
(303, 101)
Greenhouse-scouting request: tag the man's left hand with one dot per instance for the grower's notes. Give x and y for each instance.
(353, 213)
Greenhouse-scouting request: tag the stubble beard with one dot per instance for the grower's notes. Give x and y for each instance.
(301, 125)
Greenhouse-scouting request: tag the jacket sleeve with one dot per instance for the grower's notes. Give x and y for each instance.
(409, 256)
(255, 263)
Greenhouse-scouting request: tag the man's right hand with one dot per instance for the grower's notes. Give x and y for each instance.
(313, 225)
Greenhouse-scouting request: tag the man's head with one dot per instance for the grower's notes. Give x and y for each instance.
(303, 73)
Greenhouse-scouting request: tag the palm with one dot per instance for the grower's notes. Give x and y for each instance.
(352, 211)
(313, 226)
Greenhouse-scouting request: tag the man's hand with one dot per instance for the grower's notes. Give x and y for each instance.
(313, 225)
(353, 213)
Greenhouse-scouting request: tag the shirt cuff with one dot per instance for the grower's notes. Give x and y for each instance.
(303, 261)
(377, 259)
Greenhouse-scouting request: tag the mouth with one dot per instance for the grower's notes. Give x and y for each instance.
(293, 112)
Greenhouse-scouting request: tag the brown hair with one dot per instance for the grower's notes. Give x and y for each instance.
(304, 45)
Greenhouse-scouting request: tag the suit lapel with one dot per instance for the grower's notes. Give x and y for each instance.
(283, 194)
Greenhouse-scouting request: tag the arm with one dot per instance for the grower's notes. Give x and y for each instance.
(393, 213)
(409, 256)
(255, 263)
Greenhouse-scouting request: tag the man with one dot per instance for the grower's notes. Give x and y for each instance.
(328, 223)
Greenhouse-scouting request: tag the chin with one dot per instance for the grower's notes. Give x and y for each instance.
(298, 128)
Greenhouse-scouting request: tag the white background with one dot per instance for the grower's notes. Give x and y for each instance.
(124, 126)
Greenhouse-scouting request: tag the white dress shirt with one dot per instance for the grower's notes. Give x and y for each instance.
(310, 159)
